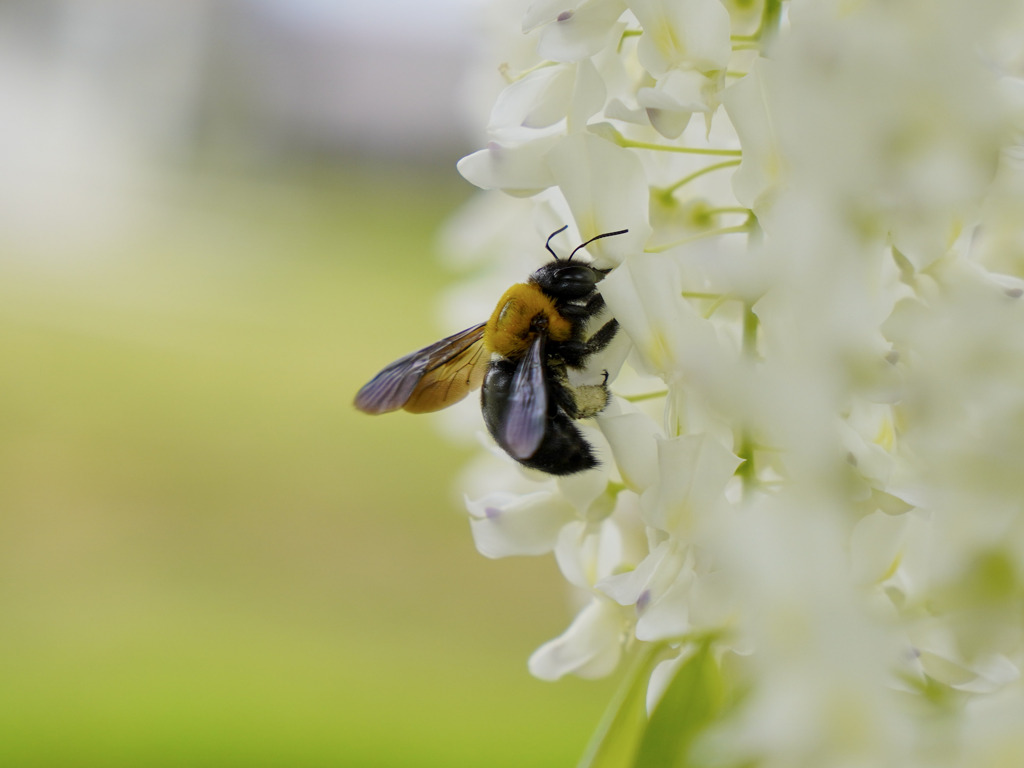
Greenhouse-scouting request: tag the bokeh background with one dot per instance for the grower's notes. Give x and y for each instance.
(217, 219)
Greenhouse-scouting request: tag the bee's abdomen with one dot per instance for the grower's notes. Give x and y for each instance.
(562, 451)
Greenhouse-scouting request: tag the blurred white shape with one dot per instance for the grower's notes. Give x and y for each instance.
(102, 98)
(383, 18)
(88, 91)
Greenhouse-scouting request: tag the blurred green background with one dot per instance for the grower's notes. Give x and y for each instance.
(207, 556)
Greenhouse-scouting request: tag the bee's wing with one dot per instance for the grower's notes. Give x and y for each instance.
(527, 414)
(429, 379)
(454, 371)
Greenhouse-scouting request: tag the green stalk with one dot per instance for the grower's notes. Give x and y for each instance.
(630, 143)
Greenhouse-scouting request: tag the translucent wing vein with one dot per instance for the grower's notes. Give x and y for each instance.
(429, 379)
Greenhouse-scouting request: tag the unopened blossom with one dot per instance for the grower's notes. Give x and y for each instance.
(807, 527)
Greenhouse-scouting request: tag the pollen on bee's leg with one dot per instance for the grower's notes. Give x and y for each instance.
(590, 399)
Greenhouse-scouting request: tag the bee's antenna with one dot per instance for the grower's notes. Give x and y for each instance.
(548, 243)
(596, 237)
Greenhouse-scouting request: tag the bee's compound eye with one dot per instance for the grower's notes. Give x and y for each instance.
(567, 281)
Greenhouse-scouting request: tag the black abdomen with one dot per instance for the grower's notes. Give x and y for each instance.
(563, 450)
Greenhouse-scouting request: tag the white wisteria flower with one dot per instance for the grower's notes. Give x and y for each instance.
(806, 531)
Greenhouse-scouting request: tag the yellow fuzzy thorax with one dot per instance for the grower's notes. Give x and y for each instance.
(508, 331)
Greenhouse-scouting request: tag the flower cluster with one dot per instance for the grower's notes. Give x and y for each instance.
(808, 524)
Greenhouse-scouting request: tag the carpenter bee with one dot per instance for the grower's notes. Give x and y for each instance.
(521, 356)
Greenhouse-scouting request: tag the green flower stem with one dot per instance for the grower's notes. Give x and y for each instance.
(613, 489)
(771, 18)
(747, 471)
(750, 326)
(771, 14)
(669, 191)
(714, 306)
(627, 34)
(505, 71)
(645, 396)
(622, 726)
(629, 143)
(701, 637)
(727, 209)
(703, 295)
(716, 299)
(741, 228)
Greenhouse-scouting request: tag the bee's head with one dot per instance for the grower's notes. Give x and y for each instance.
(562, 279)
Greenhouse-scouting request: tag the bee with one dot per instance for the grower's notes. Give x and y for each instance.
(520, 358)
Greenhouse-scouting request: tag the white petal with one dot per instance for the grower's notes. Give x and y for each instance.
(542, 12)
(872, 461)
(674, 99)
(590, 647)
(694, 473)
(875, 547)
(632, 440)
(505, 524)
(518, 169)
(645, 296)
(626, 588)
(616, 109)
(684, 91)
(588, 96)
(761, 168)
(589, 552)
(661, 676)
(588, 491)
(984, 675)
(692, 34)
(606, 189)
(659, 588)
(670, 123)
(535, 101)
(577, 34)
(667, 615)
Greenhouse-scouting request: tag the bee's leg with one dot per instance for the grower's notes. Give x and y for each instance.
(574, 353)
(591, 399)
(560, 388)
(578, 402)
(602, 338)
